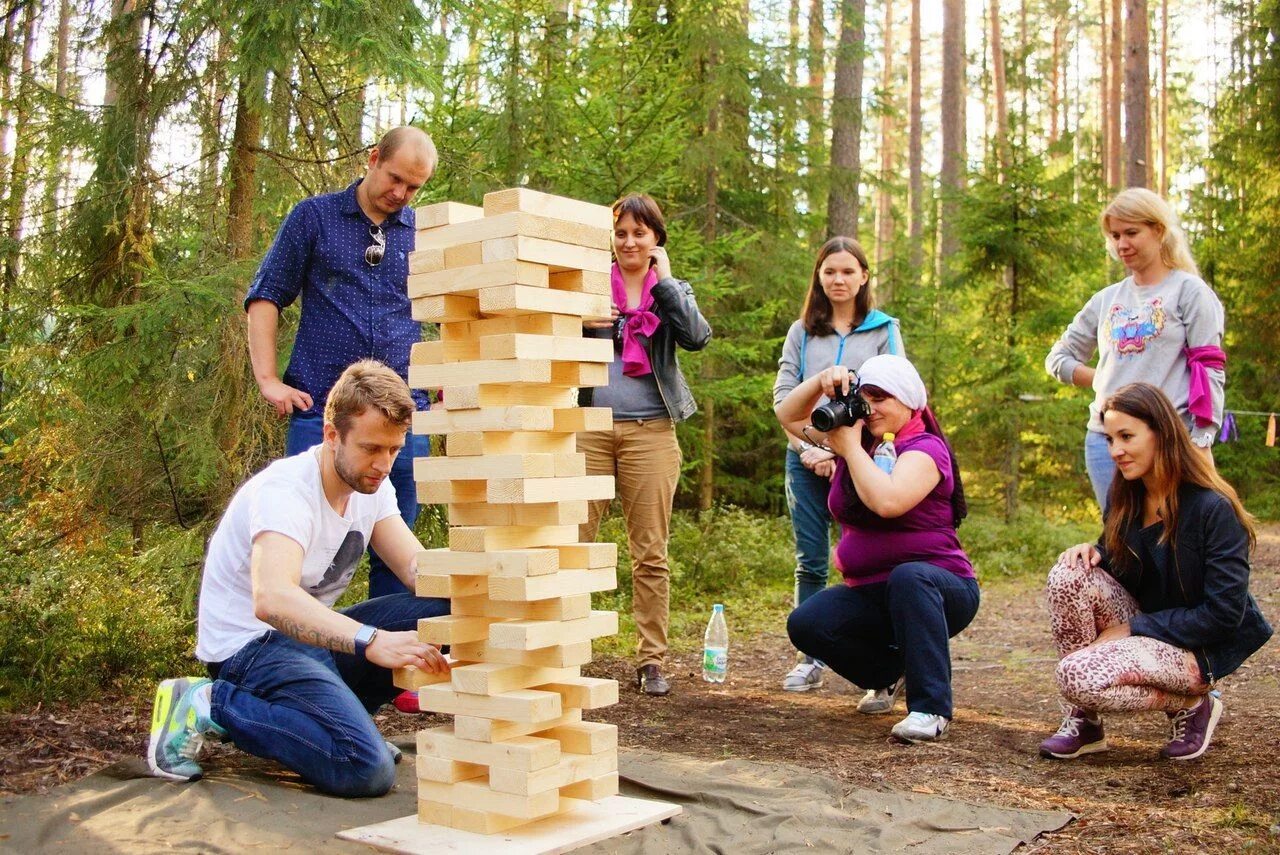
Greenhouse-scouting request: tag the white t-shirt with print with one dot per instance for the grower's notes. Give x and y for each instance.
(286, 497)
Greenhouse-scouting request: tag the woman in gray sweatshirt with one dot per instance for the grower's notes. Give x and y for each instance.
(838, 326)
(1161, 325)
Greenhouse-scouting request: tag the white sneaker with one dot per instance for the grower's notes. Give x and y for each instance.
(803, 677)
(921, 727)
(879, 701)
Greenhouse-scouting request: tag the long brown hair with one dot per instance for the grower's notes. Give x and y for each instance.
(816, 313)
(1176, 462)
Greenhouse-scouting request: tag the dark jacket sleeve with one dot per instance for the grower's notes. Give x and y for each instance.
(679, 309)
(1224, 548)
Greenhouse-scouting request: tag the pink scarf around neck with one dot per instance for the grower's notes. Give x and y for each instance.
(636, 322)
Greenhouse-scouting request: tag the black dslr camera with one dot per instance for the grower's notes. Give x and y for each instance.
(841, 411)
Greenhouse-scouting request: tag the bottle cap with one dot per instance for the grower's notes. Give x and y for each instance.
(718, 607)
(888, 436)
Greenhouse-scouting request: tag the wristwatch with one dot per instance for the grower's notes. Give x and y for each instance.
(364, 637)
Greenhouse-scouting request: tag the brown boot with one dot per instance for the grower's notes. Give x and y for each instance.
(651, 681)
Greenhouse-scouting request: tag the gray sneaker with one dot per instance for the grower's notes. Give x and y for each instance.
(805, 676)
(880, 701)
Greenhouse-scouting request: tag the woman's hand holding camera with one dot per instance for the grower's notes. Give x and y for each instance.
(836, 379)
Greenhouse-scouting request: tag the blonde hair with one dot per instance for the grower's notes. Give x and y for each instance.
(1140, 205)
(368, 383)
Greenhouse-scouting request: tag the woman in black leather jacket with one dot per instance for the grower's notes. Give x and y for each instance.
(1159, 610)
(653, 313)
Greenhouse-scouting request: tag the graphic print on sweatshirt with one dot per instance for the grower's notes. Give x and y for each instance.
(1130, 328)
(339, 572)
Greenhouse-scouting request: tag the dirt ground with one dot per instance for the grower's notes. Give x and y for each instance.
(1127, 800)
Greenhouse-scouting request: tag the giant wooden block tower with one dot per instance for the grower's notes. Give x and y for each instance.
(511, 284)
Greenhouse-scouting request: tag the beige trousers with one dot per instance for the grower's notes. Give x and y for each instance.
(644, 458)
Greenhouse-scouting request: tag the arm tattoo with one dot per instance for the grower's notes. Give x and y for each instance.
(310, 635)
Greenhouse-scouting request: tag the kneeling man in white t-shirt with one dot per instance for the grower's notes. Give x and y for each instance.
(293, 679)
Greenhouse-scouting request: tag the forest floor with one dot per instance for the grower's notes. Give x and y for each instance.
(1126, 800)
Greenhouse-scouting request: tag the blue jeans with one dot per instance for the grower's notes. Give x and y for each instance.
(307, 429)
(309, 708)
(1099, 465)
(873, 634)
(811, 523)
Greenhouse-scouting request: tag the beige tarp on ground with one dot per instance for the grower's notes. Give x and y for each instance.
(737, 806)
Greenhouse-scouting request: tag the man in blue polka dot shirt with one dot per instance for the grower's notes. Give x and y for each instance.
(347, 255)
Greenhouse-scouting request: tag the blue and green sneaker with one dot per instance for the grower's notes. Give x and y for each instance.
(179, 723)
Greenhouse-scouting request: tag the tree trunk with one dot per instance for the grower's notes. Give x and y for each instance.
(242, 166)
(884, 198)
(915, 158)
(1136, 83)
(1055, 81)
(846, 122)
(1001, 93)
(953, 130)
(815, 142)
(1164, 98)
(1104, 95)
(57, 156)
(16, 208)
(1114, 150)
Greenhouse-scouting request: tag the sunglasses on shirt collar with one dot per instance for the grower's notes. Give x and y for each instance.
(374, 252)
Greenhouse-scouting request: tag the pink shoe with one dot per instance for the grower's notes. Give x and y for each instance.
(407, 702)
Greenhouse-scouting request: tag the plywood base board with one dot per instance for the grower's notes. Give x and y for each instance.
(587, 823)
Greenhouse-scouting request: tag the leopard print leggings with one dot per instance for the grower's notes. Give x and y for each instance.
(1123, 675)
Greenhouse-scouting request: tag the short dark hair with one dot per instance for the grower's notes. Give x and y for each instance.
(368, 383)
(816, 314)
(643, 210)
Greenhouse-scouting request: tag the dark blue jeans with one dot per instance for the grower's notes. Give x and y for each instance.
(811, 523)
(307, 429)
(873, 634)
(309, 708)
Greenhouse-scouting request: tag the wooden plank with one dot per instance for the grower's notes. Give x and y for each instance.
(524, 467)
(464, 255)
(439, 352)
(452, 820)
(523, 300)
(520, 705)
(470, 279)
(547, 205)
(559, 656)
(494, 395)
(584, 693)
(593, 789)
(452, 492)
(438, 376)
(494, 678)
(490, 538)
(570, 769)
(582, 281)
(554, 254)
(516, 224)
(496, 730)
(582, 419)
(510, 563)
(446, 771)
(471, 443)
(491, 419)
(540, 488)
(427, 261)
(476, 795)
(566, 583)
(573, 607)
(450, 587)
(535, 634)
(587, 556)
(440, 214)
(525, 753)
(445, 309)
(576, 824)
(552, 513)
(542, 324)
(453, 629)
(411, 679)
(554, 348)
(579, 374)
(584, 737)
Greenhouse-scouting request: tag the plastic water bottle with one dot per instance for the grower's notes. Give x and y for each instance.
(886, 455)
(715, 650)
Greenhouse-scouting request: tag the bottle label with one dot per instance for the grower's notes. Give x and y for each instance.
(715, 659)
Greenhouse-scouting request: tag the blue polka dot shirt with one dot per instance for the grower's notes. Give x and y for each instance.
(350, 309)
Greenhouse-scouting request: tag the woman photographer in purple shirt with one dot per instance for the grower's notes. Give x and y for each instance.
(908, 585)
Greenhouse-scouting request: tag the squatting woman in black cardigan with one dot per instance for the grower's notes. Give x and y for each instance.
(1159, 610)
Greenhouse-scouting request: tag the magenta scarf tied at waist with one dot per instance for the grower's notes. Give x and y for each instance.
(638, 321)
(1199, 396)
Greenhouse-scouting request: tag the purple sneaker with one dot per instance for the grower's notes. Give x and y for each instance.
(1192, 730)
(1077, 735)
